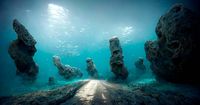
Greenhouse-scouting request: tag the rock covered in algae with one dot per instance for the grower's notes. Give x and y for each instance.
(66, 71)
(116, 59)
(139, 64)
(22, 51)
(174, 55)
(91, 68)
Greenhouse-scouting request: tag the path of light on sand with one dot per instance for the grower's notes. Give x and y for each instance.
(87, 92)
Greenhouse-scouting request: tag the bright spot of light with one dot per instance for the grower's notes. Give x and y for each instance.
(82, 29)
(57, 14)
(127, 30)
(88, 91)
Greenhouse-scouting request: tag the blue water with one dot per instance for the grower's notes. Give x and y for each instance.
(75, 30)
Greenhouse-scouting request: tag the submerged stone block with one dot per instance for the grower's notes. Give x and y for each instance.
(116, 59)
(67, 71)
(22, 51)
(175, 54)
(91, 68)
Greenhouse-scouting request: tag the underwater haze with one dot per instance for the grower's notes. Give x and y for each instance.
(76, 30)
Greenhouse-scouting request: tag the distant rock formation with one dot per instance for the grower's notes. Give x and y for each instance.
(174, 56)
(22, 51)
(66, 71)
(51, 81)
(139, 64)
(116, 59)
(91, 68)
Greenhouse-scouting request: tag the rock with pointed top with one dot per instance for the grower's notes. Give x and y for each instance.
(22, 51)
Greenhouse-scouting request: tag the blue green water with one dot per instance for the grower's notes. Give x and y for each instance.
(75, 30)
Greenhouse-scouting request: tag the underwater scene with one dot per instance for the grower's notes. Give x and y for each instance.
(99, 52)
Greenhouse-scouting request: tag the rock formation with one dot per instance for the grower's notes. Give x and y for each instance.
(139, 64)
(175, 54)
(116, 59)
(66, 71)
(22, 51)
(91, 68)
(51, 81)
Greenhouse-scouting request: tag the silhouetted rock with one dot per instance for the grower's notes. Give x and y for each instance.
(51, 81)
(175, 54)
(116, 59)
(91, 68)
(139, 64)
(22, 51)
(66, 70)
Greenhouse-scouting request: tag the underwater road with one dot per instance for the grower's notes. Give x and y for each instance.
(94, 92)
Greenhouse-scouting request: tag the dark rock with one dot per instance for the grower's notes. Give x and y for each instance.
(175, 54)
(116, 59)
(91, 68)
(66, 71)
(139, 64)
(51, 81)
(22, 51)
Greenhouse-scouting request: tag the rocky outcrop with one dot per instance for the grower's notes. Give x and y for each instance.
(22, 51)
(175, 54)
(116, 59)
(49, 97)
(91, 68)
(66, 71)
(139, 64)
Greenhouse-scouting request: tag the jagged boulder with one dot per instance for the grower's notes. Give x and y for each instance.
(174, 56)
(67, 71)
(22, 51)
(116, 59)
(91, 68)
(139, 64)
